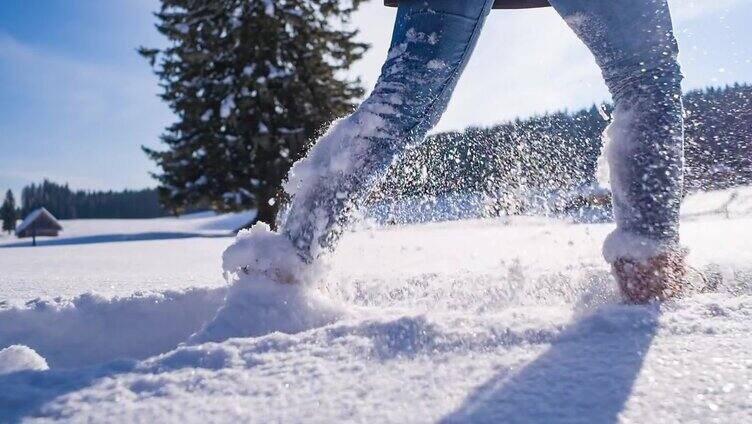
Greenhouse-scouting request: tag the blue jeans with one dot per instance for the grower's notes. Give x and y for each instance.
(632, 42)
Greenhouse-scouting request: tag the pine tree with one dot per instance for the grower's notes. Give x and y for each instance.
(251, 82)
(8, 213)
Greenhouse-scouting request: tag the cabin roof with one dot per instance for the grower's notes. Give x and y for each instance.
(43, 217)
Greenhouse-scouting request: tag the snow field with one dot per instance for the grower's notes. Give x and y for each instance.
(117, 257)
(91, 329)
(472, 321)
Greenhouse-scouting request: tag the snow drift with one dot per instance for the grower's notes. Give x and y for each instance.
(91, 329)
(20, 358)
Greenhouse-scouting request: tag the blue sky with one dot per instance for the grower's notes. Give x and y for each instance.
(77, 102)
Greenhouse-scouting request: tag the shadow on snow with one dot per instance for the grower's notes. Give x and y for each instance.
(114, 238)
(587, 374)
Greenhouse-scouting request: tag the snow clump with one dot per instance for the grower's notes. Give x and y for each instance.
(21, 358)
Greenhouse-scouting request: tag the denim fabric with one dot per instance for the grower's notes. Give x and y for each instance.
(634, 45)
(430, 48)
(432, 42)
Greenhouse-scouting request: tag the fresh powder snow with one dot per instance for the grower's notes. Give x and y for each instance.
(513, 320)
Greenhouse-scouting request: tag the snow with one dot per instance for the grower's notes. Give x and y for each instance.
(340, 149)
(624, 245)
(259, 250)
(137, 326)
(345, 146)
(227, 106)
(197, 224)
(269, 7)
(17, 358)
(117, 257)
(436, 64)
(272, 290)
(513, 320)
(733, 202)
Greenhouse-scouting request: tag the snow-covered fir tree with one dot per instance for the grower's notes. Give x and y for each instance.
(251, 82)
(8, 212)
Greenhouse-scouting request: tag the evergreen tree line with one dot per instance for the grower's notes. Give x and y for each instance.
(549, 152)
(560, 151)
(65, 203)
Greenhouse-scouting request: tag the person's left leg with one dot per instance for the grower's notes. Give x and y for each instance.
(431, 44)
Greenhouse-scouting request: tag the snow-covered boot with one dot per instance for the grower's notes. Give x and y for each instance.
(261, 251)
(661, 277)
(272, 289)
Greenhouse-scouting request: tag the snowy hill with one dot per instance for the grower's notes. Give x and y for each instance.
(491, 321)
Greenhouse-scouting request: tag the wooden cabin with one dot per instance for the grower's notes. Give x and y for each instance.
(39, 223)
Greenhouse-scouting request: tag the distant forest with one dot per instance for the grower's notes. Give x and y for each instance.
(65, 203)
(560, 151)
(549, 152)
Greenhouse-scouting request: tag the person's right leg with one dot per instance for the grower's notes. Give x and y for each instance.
(634, 45)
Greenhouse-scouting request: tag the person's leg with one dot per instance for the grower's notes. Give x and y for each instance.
(633, 43)
(431, 44)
